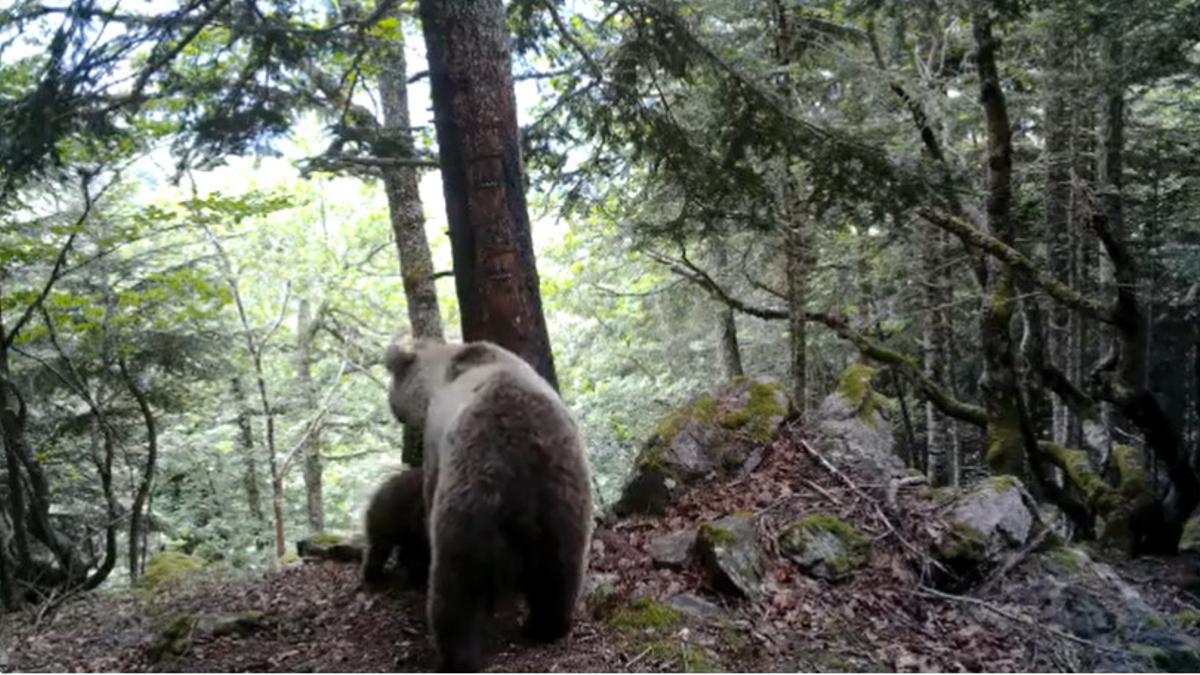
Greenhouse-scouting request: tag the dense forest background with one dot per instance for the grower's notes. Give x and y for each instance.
(216, 213)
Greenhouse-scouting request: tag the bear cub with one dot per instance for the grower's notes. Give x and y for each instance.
(395, 520)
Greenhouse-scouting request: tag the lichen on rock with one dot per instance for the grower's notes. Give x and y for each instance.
(825, 546)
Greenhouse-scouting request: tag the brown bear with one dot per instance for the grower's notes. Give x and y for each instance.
(507, 487)
(396, 520)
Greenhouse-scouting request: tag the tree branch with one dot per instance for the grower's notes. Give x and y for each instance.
(1020, 263)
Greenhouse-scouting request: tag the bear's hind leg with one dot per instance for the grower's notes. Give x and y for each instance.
(550, 591)
(374, 561)
(461, 597)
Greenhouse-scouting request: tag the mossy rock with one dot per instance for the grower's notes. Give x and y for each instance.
(1070, 560)
(854, 385)
(174, 637)
(825, 546)
(1189, 619)
(332, 546)
(853, 429)
(728, 548)
(1190, 541)
(179, 632)
(166, 569)
(716, 434)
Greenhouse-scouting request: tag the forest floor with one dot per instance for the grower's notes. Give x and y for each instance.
(314, 617)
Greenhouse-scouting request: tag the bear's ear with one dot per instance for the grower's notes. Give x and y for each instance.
(399, 357)
(469, 356)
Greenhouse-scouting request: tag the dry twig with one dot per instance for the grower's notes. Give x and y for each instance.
(926, 591)
(870, 500)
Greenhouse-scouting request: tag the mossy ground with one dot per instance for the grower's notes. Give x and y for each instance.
(654, 627)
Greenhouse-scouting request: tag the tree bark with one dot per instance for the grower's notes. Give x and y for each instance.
(728, 351)
(104, 467)
(998, 383)
(401, 184)
(147, 479)
(797, 255)
(942, 460)
(250, 478)
(470, 73)
(1056, 224)
(313, 488)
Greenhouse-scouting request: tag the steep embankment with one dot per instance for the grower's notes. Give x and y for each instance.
(772, 550)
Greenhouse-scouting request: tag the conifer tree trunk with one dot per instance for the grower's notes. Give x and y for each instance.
(474, 103)
(942, 459)
(998, 383)
(1056, 226)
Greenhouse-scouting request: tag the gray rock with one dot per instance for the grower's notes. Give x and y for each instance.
(999, 510)
(697, 608)
(673, 550)
(825, 546)
(731, 556)
(852, 428)
(1067, 588)
(715, 435)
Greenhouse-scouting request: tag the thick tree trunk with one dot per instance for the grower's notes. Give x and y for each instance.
(1056, 226)
(479, 149)
(313, 488)
(250, 479)
(998, 383)
(408, 224)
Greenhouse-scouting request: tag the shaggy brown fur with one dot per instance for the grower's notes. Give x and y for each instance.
(507, 487)
(396, 520)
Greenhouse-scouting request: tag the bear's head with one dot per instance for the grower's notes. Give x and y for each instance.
(410, 364)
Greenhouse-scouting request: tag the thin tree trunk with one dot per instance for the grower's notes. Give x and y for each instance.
(250, 478)
(8, 600)
(143, 490)
(796, 251)
(104, 467)
(941, 459)
(313, 489)
(401, 184)
(729, 352)
(470, 74)
(255, 351)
